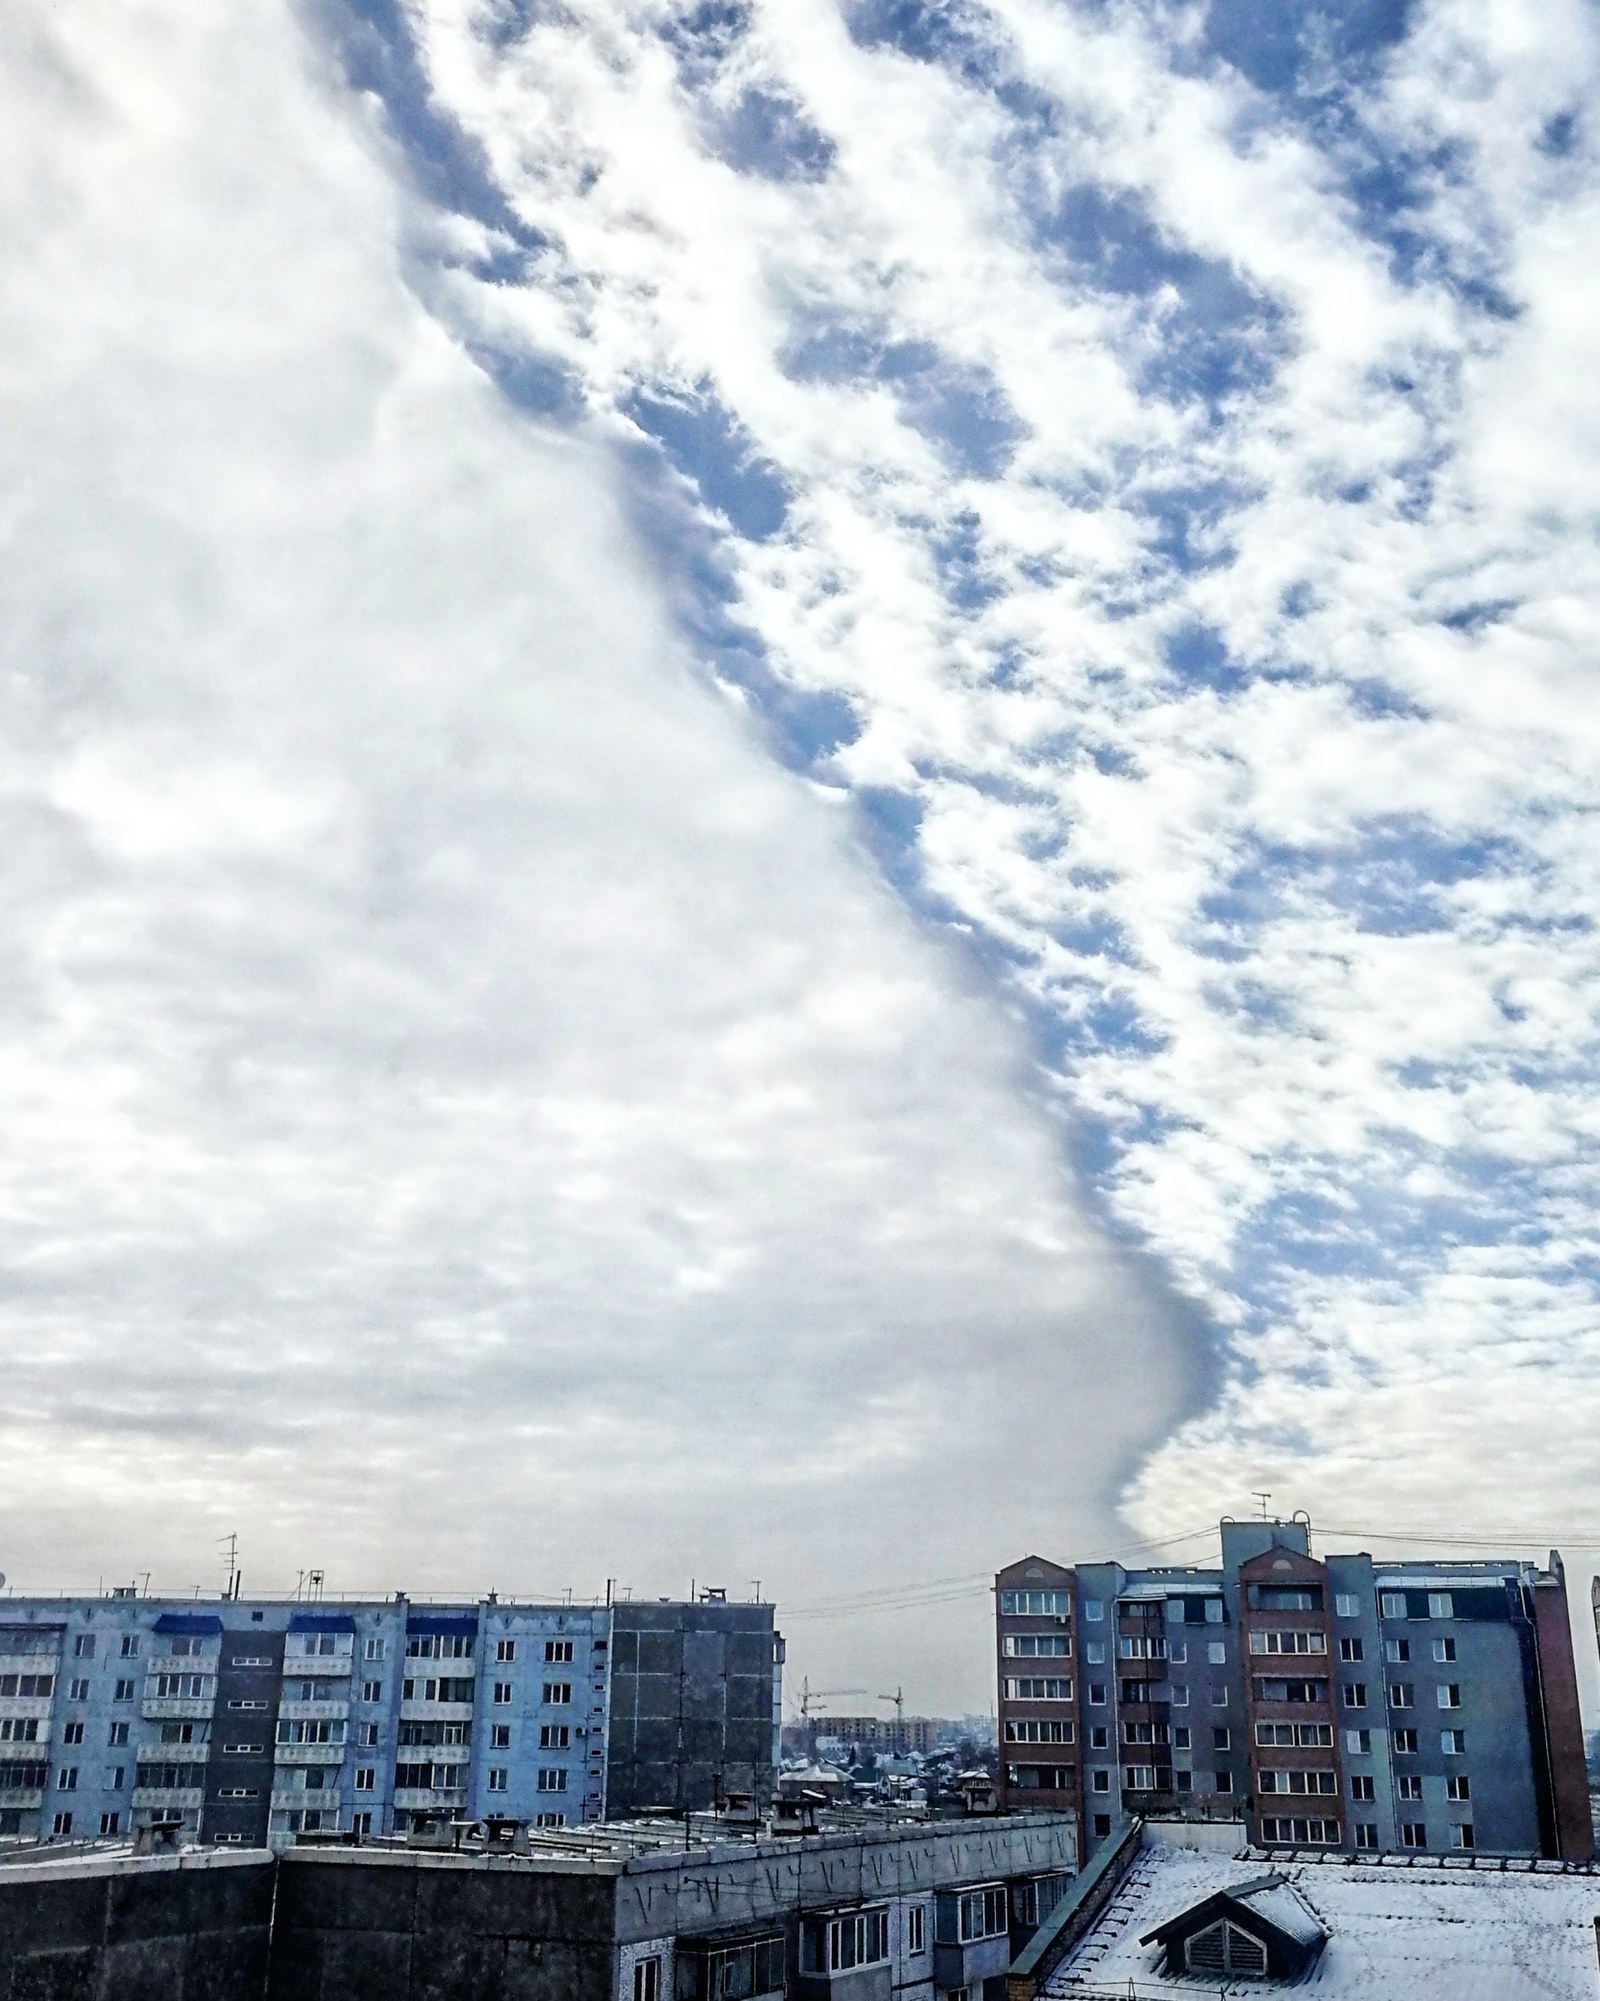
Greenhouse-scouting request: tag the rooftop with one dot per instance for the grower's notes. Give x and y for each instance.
(1475, 1930)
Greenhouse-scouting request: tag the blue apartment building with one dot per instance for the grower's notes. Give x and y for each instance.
(258, 1719)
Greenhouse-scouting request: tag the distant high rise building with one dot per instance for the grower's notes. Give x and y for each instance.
(258, 1717)
(1343, 1703)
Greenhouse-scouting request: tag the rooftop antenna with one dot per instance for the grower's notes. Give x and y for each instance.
(230, 1544)
(1263, 1499)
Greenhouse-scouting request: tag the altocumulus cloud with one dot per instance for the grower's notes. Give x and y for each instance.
(1160, 442)
(471, 1115)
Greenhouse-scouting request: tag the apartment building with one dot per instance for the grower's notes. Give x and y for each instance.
(1341, 1703)
(248, 1720)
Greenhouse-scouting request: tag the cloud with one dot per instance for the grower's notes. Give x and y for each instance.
(471, 1116)
(1237, 703)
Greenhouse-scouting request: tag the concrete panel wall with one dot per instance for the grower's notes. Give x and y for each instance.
(165, 1928)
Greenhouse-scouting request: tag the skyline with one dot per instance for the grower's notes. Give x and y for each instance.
(795, 788)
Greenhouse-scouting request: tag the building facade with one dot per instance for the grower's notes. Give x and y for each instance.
(1340, 1703)
(247, 1720)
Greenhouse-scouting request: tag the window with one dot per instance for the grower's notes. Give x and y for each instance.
(77, 1691)
(1355, 1695)
(310, 1730)
(239, 1793)
(67, 1779)
(1358, 1743)
(1213, 1611)
(62, 1824)
(499, 1736)
(1037, 1605)
(130, 1646)
(1392, 1604)
(1183, 1781)
(1098, 1737)
(187, 1687)
(1402, 1695)
(1224, 1782)
(1216, 1652)
(553, 1779)
(1397, 1650)
(441, 1646)
(1144, 1733)
(1309, 1734)
(960, 1916)
(1039, 1730)
(1413, 1834)
(1458, 1787)
(1449, 1694)
(1039, 1646)
(1361, 1787)
(1441, 1605)
(372, 1691)
(647, 1979)
(1139, 1778)
(1350, 1648)
(1094, 1610)
(372, 1649)
(834, 1945)
(498, 1778)
(555, 1692)
(1269, 1641)
(1180, 1737)
(20, 1730)
(503, 1692)
(242, 1750)
(1444, 1650)
(1408, 1786)
(366, 1778)
(1180, 1651)
(1366, 1834)
(1019, 1688)
(1345, 1605)
(1100, 1780)
(1461, 1835)
(1141, 1647)
(366, 1735)
(1219, 1698)
(123, 1692)
(1180, 1698)
(505, 1650)
(72, 1734)
(29, 1684)
(117, 1734)
(1135, 1691)
(917, 1928)
(83, 1647)
(1274, 1780)
(1453, 1743)
(1102, 1826)
(111, 1823)
(1278, 1598)
(1405, 1743)
(549, 1820)
(1094, 1652)
(1301, 1833)
(1097, 1691)
(1221, 1738)
(557, 1650)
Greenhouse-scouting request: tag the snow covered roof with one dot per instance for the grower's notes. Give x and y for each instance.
(1396, 1932)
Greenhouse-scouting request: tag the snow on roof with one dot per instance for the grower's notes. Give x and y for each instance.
(1281, 1904)
(1395, 1933)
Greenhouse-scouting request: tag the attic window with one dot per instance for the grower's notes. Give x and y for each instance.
(1282, 1563)
(1225, 1948)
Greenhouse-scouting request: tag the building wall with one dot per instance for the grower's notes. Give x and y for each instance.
(1391, 1681)
(241, 1680)
(691, 1716)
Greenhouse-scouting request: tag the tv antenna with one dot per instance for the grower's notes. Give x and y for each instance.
(1263, 1499)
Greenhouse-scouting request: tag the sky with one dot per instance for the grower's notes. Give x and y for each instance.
(797, 791)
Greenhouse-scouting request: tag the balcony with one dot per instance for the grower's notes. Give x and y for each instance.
(168, 1799)
(172, 1707)
(152, 1752)
(327, 1711)
(436, 1712)
(36, 1706)
(309, 1754)
(287, 1798)
(26, 1797)
(970, 1965)
(30, 1664)
(310, 1667)
(174, 1664)
(414, 1799)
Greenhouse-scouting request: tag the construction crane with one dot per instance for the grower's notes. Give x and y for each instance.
(808, 1695)
(899, 1701)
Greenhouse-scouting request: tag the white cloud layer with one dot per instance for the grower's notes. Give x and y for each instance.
(469, 1117)
(1192, 494)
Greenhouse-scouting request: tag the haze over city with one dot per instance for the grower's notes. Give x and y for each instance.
(796, 794)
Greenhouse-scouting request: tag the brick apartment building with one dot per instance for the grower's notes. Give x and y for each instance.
(1335, 1704)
